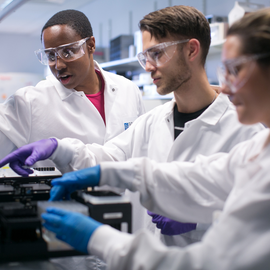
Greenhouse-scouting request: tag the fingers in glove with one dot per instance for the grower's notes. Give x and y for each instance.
(57, 193)
(9, 158)
(57, 211)
(66, 180)
(17, 167)
(33, 158)
(56, 230)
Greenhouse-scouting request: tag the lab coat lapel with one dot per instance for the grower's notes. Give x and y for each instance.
(62, 91)
(165, 129)
(110, 92)
(210, 117)
(88, 110)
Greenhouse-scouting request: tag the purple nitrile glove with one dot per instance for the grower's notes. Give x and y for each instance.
(28, 155)
(169, 226)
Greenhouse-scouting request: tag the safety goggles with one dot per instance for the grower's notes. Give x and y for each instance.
(235, 72)
(67, 52)
(159, 54)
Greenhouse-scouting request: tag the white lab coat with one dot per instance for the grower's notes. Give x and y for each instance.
(51, 110)
(236, 183)
(152, 135)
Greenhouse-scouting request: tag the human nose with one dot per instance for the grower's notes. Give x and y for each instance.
(59, 63)
(149, 67)
(223, 81)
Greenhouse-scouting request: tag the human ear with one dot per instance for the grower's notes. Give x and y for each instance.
(91, 44)
(194, 48)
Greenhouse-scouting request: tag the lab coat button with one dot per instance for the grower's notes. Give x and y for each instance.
(113, 89)
(168, 120)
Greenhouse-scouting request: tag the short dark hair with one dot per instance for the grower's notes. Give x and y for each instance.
(73, 18)
(254, 32)
(183, 21)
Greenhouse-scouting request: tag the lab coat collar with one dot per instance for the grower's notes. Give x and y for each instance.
(65, 92)
(62, 91)
(211, 115)
(110, 91)
(170, 109)
(214, 112)
(109, 83)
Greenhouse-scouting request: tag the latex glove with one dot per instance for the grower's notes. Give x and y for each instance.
(171, 227)
(28, 155)
(73, 228)
(70, 182)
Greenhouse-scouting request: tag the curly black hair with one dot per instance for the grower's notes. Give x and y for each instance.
(73, 18)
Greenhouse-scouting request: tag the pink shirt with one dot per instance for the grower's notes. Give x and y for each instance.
(98, 98)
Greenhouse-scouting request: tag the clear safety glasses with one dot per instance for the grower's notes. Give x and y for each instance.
(159, 54)
(67, 52)
(235, 72)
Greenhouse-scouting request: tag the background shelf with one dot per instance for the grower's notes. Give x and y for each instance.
(131, 64)
(127, 64)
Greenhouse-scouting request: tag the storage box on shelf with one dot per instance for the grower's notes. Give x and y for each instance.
(119, 47)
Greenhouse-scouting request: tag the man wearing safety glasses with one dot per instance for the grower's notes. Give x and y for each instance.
(198, 120)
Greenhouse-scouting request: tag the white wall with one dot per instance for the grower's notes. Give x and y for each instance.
(17, 54)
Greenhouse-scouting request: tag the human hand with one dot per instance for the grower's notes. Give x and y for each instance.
(72, 228)
(28, 155)
(171, 227)
(70, 182)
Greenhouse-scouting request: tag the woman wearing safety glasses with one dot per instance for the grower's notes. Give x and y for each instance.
(80, 100)
(232, 189)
